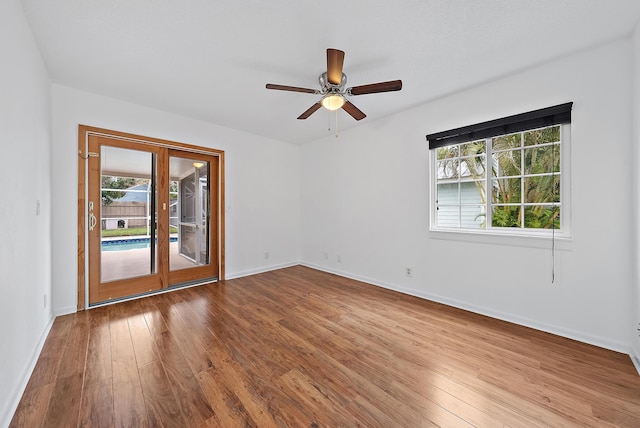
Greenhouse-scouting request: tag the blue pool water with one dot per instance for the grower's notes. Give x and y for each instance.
(129, 244)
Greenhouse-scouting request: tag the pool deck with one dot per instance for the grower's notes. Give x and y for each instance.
(136, 262)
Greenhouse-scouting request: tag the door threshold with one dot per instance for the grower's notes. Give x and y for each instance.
(176, 287)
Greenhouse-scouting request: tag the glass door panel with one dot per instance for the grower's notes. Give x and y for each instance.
(127, 214)
(189, 244)
(122, 212)
(190, 195)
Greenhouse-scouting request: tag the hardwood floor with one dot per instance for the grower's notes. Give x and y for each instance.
(302, 348)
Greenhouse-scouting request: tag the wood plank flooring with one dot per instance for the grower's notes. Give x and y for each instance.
(302, 348)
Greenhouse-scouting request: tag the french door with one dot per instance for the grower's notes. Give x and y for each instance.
(191, 216)
(152, 217)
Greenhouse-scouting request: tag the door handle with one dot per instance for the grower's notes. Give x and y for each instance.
(92, 221)
(92, 218)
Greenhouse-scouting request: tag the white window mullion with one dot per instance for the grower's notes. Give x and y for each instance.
(522, 195)
(489, 183)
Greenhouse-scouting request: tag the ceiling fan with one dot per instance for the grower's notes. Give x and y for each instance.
(333, 91)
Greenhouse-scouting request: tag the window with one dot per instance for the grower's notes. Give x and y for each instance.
(510, 182)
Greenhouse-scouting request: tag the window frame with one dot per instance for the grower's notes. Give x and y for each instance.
(565, 195)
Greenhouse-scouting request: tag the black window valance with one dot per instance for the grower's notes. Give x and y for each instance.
(549, 116)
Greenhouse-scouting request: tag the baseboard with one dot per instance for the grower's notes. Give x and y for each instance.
(72, 309)
(635, 358)
(262, 269)
(9, 411)
(65, 310)
(548, 328)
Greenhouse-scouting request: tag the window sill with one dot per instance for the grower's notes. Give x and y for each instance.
(562, 243)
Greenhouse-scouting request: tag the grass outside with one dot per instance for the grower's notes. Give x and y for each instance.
(131, 231)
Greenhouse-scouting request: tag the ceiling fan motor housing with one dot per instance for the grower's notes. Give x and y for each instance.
(330, 88)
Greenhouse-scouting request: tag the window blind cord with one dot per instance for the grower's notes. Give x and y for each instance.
(553, 220)
(553, 254)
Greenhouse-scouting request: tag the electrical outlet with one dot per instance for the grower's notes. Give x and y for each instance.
(408, 272)
(325, 255)
(45, 300)
(339, 258)
(266, 255)
(38, 207)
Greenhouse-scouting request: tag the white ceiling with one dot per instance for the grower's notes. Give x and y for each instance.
(210, 59)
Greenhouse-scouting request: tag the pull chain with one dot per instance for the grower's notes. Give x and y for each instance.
(336, 119)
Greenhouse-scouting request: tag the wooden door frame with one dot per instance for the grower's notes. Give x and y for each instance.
(83, 134)
(186, 275)
(122, 287)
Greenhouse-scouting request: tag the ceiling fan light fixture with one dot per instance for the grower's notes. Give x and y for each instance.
(332, 101)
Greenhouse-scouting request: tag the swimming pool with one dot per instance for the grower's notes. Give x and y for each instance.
(129, 243)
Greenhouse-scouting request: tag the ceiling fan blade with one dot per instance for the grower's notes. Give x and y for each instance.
(373, 88)
(291, 88)
(335, 60)
(310, 111)
(354, 111)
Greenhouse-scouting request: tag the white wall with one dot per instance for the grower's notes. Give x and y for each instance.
(365, 197)
(635, 333)
(25, 244)
(262, 184)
